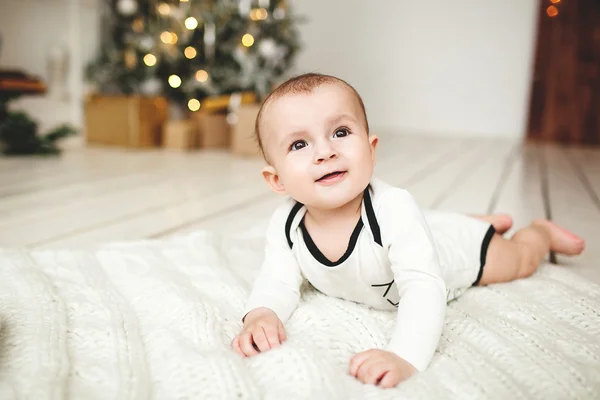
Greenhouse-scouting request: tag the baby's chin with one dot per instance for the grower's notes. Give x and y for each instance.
(328, 202)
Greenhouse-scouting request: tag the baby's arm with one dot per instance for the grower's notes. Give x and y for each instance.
(275, 292)
(422, 291)
(277, 286)
(422, 304)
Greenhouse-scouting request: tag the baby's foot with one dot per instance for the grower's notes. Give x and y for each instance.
(561, 240)
(501, 222)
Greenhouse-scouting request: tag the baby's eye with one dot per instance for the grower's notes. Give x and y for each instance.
(342, 132)
(298, 144)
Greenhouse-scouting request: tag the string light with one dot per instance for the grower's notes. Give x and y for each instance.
(194, 105)
(190, 52)
(184, 1)
(164, 9)
(201, 75)
(168, 37)
(554, 1)
(259, 14)
(150, 60)
(191, 23)
(174, 81)
(552, 11)
(247, 40)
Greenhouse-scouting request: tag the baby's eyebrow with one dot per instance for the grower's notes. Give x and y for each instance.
(291, 136)
(337, 118)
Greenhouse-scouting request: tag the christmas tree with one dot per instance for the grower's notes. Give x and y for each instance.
(187, 50)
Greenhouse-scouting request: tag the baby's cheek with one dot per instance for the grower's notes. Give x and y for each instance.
(297, 181)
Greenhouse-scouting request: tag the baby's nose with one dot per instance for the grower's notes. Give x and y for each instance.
(325, 152)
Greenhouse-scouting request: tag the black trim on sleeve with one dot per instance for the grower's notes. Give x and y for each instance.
(371, 217)
(484, 248)
(389, 286)
(320, 257)
(288, 222)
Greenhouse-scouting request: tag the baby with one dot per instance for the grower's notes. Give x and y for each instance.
(358, 238)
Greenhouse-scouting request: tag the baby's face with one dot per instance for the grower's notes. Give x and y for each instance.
(318, 147)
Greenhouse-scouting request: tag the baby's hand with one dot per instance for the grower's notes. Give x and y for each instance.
(380, 367)
(263, 330)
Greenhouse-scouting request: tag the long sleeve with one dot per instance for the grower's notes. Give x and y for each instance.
(422, 292)
(278, 283)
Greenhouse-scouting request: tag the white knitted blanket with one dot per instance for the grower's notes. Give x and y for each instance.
(154, 320)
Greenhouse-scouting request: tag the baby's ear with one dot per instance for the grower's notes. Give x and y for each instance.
(270, 174)
(373, 140)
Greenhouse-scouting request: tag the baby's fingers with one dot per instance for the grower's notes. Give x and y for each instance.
(260, 338)
(272, 336)
(390, 379)
(357, 361)
(374, 373)
(281, 332)
(235, 344)
(247, 345)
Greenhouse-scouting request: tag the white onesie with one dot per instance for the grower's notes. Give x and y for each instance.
(398, 258)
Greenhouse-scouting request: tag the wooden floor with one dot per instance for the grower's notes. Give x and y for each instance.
(95, 195)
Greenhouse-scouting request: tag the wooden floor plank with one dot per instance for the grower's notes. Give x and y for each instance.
(521, 195)
(473, 190)
(111, 172)
(119, 207)
(438, 181)
(149, 225)
(420, 162)
(573, 208)
(84, 169)
(586, 164)
(158, 180)
(250, 218)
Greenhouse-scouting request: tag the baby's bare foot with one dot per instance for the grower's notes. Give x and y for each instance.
(561, 240)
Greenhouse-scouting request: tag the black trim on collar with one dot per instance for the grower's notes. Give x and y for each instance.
(320, 257)
(288, 222)
(371, 217)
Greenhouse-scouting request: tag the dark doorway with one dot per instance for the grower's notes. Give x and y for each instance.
(565, 98)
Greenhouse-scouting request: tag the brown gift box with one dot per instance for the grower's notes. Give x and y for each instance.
(180, 135)
(213, 130)
(221, 103)
(243, 141)
(129, 121)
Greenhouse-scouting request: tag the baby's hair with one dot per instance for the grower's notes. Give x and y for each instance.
(303, 84)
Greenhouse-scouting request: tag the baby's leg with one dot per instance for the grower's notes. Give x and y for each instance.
(501, 222)
(520, 256)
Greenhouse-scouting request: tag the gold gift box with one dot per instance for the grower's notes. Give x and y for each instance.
(126, 121)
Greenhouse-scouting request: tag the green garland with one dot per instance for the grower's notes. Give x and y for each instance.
(18, 133)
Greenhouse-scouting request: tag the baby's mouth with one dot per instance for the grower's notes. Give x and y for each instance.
(331, 176)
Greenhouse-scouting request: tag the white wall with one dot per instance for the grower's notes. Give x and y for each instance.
(30, 29)
(436, 67)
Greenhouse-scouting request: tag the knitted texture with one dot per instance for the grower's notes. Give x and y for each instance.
(154, 320)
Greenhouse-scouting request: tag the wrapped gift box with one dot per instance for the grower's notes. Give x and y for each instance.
(180, 135)
(127, 121)
(212, 129)
(243, 140)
